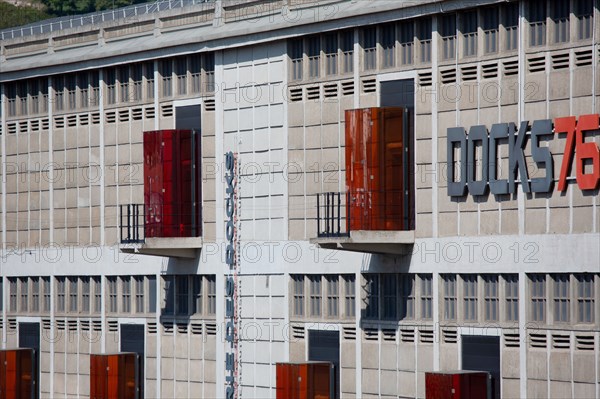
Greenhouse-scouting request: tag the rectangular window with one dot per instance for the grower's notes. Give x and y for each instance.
(181, 72)
(85, 294)
(209, 71)
(389, 293)
(511, 294)
(470, 297)
(490, 297)
(94, 97)
(296, 55)
(151, 294)
(35, 294)
(490, 30)
(350, 295)
(24, 294)
(372, 296)
(22, 93)
(511, 25)
(298, 289)
(560, 17)
(126, 294)
(139, 294)
(538, 297)
(169, 282)
(124, 93)
(388, 45)
(425, 39)
(333, 296)
(12, 294)
(313, 53)
(212, 295)
(84, 89)
(448, 33)
(110, 80)
(137, 74)
(197, 295)
(426, 296)
(584, 12)
(97, 294)
(73, 294)
(315, 295)
(11, 97)
(469, 31)
(60, 294)
(47, 293)
(196, 72)
(407, 40)
(182, 295)
(347, 47)
(112, 294)
(166, 72)
(449, 297)
(407, 296)
(585, 298)
(72, 91)
(562, 298)
(369, 45)
(34, 90)
(537, 23)
(149, 73)
(331, 54)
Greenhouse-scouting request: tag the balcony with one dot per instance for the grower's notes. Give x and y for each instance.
(374, 222)
(143, 231)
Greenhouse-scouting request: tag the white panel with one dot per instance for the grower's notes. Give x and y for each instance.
(278, 229)
(276, 71)
(230, 121)
(277, 115)
(277, 137)
(261, 208)
(261, 138)
(230, 77)
(247, 141)
(261, 115)
(246, 119)
(245, 75)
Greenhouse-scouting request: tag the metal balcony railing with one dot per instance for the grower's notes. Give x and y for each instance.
(332, 215)
(132, 223)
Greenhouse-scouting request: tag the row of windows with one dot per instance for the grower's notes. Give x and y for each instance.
(329, 296)
(186, 295)
(185, 75)
(560, 13)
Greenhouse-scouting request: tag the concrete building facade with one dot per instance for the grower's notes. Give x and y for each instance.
(508, 267)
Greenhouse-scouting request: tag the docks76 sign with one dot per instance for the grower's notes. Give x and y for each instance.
(585, 154)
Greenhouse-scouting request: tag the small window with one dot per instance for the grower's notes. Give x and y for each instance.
(181, 72)
(389, 285)
(83, 82)
(169, 284)
(490, 297)
(97, 281)
(313, 53)
(560, 17)
(426, 296)
(347, 47)
(537, 23)
(470, 297)
(449, 297)
(126, 294)
(333, 296)
(139, 294)
(296, 56)
(60, 294)
(511, 293)
(182, 295)
(298, 289)
(315, 295)
(585, 298)
(110, 80)
(35, 294)
(112, 294)
(73, 294)
(350, 295)
(24, 293)
(388, 45)
(407, 40)
(85, 294)
(448, 33)
(490, 30)
(149, 75)
(331, 54)
(197, 295)
(47, 293)
(469, 31)
(369, 48)
(12, 294)
(538, 297)
(425, 39)
(151, 294)
(372, 296)
(511, 25)
(124, 84)
(72, 91)
(407, 296)
(212, 295)
(562, 299)
(166, 72)
(137, 74)
(584, 12)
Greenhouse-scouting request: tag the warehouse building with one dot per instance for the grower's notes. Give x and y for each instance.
(396, 187)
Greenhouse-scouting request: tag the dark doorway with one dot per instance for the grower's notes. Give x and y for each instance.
(188, 117)
(324, 346)
(29, 337)
(132, 340)
(482, 353)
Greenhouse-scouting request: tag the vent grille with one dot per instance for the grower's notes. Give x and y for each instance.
(60, 324)
(511, 68)
(348, 88)
(298, 331)
(137, 113)
(349, 333)
(11, 128)
(388, 335)
(371, 334)
(450, 335)
(369, 85)
(97, 325)
(23, 127)
(182, 328)
(313, 92)
(59, 122)
(35, 125)
(149, 112)
(448, 76)
(295, 94)
(583, 58)
(330, 90)
(538, 340)
(512, 340)
(72, 120)
(96, 118)
(426, 336)
(113, 325)
(124, 115)
(12, 324)
(469, 73)
(407, 334)
(584, 342)
(85, 325)
(536, 64)
(209, 104)
(72, 325)
(560, 61)
(45, 124)
(46, 324)
(166, 110)
(151, 328)
(110, 117)
(490, 71)
(425, 79)
(84, 119)
(211, 328)
(561, 341)
(168, 328)
(196, 328)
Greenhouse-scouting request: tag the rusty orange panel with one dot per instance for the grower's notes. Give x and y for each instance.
(114, 376)
(17, 373)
